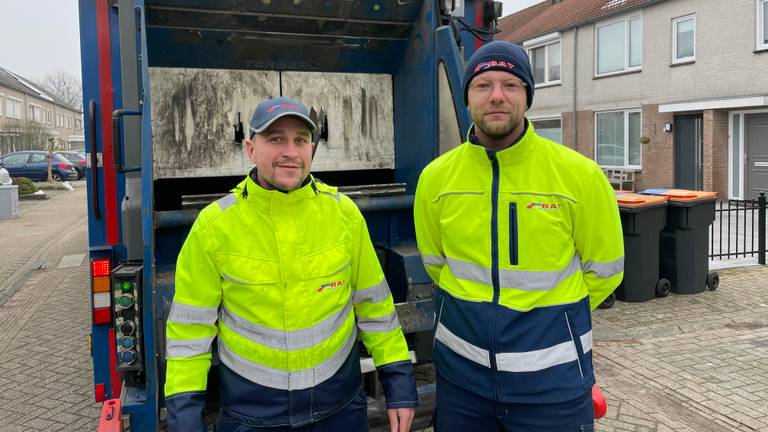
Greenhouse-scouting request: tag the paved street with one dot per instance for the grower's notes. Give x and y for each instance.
(683, 363)
(45, 367)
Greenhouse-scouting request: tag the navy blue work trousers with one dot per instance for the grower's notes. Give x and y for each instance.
(351, 418)
(458, 410)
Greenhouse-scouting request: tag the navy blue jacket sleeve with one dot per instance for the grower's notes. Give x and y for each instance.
(185, 412)
(399, 384)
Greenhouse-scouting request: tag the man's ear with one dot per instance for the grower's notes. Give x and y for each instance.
(250, 151)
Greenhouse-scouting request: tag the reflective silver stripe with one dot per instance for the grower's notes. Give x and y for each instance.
(538, 280)
(462, 347)
(532, 361)
(227, 201)
(604, 269)
(529, 361)
(546, 195)
(439, 197)
(586, 342)
(344, 267)
(285, 380)
(175, 348)
(373, 294)
(235, 280)
(334, 196)
(469, 271)
(286, 340)
(518, 279)
(380, 324)
(433, 260)
(188, 314)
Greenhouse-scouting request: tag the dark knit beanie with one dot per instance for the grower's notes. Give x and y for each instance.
(504, 56)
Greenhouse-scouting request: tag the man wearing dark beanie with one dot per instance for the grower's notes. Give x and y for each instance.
(522, 238)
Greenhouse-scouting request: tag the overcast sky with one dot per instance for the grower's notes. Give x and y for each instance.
(512, 6)
(39, 37)
(42, 36)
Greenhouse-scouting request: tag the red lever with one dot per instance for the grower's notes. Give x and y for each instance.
(111, 414)
(598, 402)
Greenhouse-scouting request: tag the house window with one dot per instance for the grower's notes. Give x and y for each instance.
(618, 139)
(36, 114)
(549, 128)
(762, 24)
(545, 61)
(619, 46)
(13, 108)
(684, 39)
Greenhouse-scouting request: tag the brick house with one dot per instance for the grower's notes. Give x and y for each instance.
(675, 91)
(25, 106)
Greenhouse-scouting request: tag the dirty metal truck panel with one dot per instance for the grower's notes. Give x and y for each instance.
(360, 125)
(194, 112)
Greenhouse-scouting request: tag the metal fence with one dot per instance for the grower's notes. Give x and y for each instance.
(739, 230)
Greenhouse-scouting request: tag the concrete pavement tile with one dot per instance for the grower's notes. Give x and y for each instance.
(39, 424)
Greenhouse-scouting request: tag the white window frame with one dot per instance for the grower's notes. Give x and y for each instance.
(546, 41)
(675, 22)
(761, 33)
(17, 115)
(549, 117)
(627, 43)
(626, 137)
(733, 118)
(32, 108)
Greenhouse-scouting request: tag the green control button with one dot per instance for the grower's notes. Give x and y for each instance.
(126, 286)
(125, 301)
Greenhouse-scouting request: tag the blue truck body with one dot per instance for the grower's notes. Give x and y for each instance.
(138, 217)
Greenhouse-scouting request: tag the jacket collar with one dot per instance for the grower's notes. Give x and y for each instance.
(517, 152)
(251, 191)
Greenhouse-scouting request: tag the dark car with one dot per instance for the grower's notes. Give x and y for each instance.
(77, 160)
(34, 165)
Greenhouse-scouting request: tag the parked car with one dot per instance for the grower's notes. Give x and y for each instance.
(77, 159)
(33, 164)
(5, 178)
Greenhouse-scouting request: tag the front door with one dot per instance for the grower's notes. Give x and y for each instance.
(689, 152)
(756, 140)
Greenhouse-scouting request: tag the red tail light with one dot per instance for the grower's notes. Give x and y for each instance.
(81, 161)
(101, 267)
(100, 285)
(65, 166)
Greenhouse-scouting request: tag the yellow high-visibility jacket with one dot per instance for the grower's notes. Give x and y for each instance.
(285, 282)
(522, 244)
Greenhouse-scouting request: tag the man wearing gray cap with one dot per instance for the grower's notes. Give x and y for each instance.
(522, 238)
(282, 273)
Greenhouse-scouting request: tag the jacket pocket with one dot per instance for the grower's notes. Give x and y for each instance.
(328, 275)
(329, 264)
(242, 270)
(513, 258)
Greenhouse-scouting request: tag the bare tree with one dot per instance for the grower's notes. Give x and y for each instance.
(53, 145)
(65, 87)
(18, 135)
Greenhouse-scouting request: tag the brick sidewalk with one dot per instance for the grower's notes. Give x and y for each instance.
(693, 363)
(45, 367)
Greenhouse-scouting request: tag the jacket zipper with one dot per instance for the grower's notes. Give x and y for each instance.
(513, 233)
(494, 270)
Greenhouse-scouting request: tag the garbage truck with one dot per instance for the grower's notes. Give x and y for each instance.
(167, 88)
